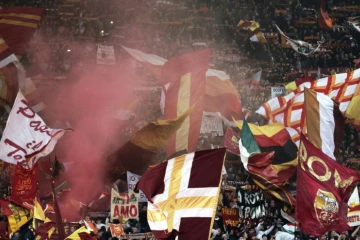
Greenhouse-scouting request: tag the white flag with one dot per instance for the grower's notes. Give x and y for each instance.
(132, 180)
(26, 137)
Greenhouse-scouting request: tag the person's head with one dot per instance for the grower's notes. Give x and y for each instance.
(72, 229)
(98, 221)
(262, 228)
(218, 230)
(87, 218)
(264, 237)
(135, 230)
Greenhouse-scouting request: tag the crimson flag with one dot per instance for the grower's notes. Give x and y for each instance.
(323, 191)
(187, 77)
(23, 184)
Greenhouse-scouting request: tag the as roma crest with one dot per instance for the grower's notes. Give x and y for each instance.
(326, 207)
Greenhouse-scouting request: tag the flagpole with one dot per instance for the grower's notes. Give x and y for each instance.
(59, 221)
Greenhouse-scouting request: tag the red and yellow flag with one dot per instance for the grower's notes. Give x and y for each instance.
(17, 25)
(17, 215)
(187, 77)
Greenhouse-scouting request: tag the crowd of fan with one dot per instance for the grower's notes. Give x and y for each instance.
(70, 31)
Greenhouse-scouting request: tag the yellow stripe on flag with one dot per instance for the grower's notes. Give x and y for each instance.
(22, 15)
(183, 105)
(19, 23)
(353, 111)
(313, 118)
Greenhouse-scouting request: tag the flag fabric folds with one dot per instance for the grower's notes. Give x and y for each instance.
(299, 46)
(247, 145)
(275, 138)
(323, 190)
(12, 78)
(324, 122)
(220, 94)
(24, 184)
(324, 19)
(16, 214)
(17, 25)
(187, 78)
(76, 235)
(154, 135)
(254, 31)
(26, 137)
(183, 193)
(288, 110)
(261, 168)
(293, 86)
(45, 230)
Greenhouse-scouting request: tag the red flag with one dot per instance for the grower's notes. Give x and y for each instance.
(42, 231)
(17, 25)
(231, 141)
(187, 77)
(324, 19)
(87, 236)
(323, 191)
(23, 184)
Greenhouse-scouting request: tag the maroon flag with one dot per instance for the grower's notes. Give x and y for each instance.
(87, 236)
(42, 231)
(23, 184)
(183, 194)
(187, 77)
(231, 141)
(323, 191)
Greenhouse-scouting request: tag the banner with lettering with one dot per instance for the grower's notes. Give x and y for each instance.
(116, 230)
(231, 141)
(124, 205)
(132, 180)
(277, 92)
(230, 216)
(211, 124)
(105, 55)
(354, 216)
(251, 204)
(26, 137)
(23, 184)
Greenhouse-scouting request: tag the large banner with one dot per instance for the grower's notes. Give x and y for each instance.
(124, 205)
(277, 92)
(211, 124)
(230, 216)
(132, 180)
(23, 184)
(251, 204)
(231, 141)
(105, 55)
(26, 137)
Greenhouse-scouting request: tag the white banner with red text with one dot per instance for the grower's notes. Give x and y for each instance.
(124, 205)
(26, 137)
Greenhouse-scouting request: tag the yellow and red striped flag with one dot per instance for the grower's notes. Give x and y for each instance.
(17, 25)
(221, 96)
(187, 77)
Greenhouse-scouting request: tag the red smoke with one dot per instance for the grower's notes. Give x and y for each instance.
(88, 101)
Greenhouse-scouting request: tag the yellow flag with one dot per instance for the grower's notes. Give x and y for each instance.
(75, 235)
(38, 213)
(353, 111)
(155, 134)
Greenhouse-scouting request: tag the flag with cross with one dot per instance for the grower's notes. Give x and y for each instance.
(182, 194)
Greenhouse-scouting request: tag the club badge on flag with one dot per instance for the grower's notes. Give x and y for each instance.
(23, 184)
(26, 137)
(105, 55)
(132, 180)
(116, 230)
(124, 205)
